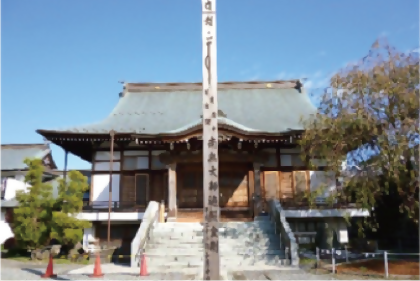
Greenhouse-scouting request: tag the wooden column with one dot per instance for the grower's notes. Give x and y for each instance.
(210, 144)
(257, 189)
(172, 204)
(162, 211)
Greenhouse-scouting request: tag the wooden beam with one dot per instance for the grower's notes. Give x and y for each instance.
(169, 158)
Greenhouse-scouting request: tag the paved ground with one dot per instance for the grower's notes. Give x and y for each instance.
(13, 270)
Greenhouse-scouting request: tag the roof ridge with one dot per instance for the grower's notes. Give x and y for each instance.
(23, 145)
(161, 87)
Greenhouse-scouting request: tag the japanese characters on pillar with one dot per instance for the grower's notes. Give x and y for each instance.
(210, 144)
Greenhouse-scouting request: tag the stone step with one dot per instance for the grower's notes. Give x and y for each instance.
(223, 251)
(246, 231)
(260, 243)
(197, 226)
(263, 227)
(246, 224)
(226, 233)
(233, 238)
(224, 262)
(239, 248)
(227, 245)
(225, 256)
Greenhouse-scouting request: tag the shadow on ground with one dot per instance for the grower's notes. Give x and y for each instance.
(39, 273)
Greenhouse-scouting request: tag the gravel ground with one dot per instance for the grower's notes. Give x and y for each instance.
(12, 270)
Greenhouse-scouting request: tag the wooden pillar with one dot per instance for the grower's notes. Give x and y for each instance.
(162, 212)
(172, 204)
(257, 189)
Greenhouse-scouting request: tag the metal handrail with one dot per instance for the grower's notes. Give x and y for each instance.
(95, 206)
(321, 204)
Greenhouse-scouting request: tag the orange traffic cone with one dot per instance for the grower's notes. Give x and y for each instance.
(97, 271)
(49, 273)
(143, 266)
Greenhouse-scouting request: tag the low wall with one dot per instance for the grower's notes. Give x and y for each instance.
(287, 237)
(150, 215)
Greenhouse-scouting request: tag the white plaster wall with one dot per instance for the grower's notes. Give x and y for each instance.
(340, 226)
(5, 230)
(115, 216)
(104, 166)
(88, 236)
(13, 185)
(100, 189)
(106, 155)
(323, 179)
(20, 178)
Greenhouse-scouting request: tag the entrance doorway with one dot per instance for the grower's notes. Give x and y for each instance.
(233, 186)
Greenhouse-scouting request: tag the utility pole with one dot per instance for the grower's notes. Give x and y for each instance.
(210, 144)
(111, 164)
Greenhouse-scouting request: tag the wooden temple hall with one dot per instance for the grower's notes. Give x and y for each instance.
(156, 132)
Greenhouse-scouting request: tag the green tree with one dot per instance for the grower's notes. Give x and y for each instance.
(66, 228)
(371, 108)
(39, 217)
(33, 215)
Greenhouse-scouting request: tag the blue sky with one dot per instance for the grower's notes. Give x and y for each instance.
(62, 60)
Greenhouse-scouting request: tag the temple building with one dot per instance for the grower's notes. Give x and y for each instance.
(155, 133)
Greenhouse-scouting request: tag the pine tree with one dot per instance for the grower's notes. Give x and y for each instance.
(39, 217)
(33, 215)
(67, 229)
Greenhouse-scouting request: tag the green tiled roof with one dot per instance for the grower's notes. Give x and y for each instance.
(13, 155)
(171, 112)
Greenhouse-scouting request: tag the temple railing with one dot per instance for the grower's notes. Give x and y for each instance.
(287, 238)
(319, 203)
(145, 232)
(116, 206)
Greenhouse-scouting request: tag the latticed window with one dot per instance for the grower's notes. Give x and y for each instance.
(136, 162)
(135, 189)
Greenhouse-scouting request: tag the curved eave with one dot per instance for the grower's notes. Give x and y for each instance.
(224, 124)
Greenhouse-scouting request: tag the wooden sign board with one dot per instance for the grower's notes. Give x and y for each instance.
(210, 144)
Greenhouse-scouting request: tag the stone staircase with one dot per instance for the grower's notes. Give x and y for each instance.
(179, 246)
